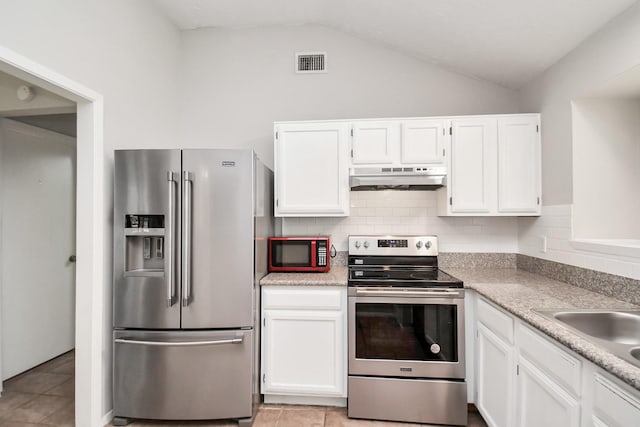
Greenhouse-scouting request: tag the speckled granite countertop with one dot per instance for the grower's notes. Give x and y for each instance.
(337, 276)
(520, 292)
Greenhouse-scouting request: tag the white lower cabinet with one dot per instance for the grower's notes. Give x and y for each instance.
(541, 402)
(495, 377)
(524, 378)
(612, 405)
(304, 343)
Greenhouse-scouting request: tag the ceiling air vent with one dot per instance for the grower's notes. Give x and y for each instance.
(311, 62)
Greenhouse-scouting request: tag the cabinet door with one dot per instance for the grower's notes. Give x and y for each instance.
(613, 406)
(472, 175)
(494, 382)
(374, 142)
(519, 164)
(303, 353)
(311, 171)
(423, 141)
(541, 402)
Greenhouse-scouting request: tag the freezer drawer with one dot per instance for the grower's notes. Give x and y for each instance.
(183, 375)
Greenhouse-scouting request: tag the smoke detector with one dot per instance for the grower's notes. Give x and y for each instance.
(311, 62)
(26, 93)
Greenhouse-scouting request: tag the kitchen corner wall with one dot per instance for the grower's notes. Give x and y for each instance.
(236, 83)
(410, 212)
(555, 224)
(612, 50)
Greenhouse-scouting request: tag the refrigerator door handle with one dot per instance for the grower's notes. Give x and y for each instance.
(186, 247)
(179, 343)
(171, 285)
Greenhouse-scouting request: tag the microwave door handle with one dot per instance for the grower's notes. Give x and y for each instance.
(314, 254)
(186, 247)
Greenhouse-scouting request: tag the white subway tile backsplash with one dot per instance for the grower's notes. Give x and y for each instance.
(401, 211)
(556, 225)
(410, 212)
(383, 211)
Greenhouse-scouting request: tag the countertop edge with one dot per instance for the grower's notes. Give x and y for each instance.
(337, 276)
(566, 337)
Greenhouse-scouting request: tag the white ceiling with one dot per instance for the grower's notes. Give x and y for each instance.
(508, 42)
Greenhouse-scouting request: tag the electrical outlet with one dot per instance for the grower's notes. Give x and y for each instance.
(543, 244)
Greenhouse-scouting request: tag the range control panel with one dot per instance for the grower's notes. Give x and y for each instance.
(394, 245)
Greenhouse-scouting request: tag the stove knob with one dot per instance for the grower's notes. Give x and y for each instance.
(427, 245)
(366, 244)
(419, 244)
(357, 244)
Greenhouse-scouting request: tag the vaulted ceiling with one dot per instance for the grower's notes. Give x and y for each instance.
(508, 42)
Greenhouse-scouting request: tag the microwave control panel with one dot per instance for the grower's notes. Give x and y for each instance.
(322, 253)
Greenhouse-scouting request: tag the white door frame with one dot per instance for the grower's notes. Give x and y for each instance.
(90, 230)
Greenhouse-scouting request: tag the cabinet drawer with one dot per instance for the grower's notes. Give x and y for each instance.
(300, 298)
(498, 322)
(614, 406)
(561, 366)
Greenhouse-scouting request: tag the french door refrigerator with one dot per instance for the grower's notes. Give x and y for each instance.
(190, 245)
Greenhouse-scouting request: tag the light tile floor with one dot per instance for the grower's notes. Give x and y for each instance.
(44, 396)
(41, 396)
(302, 416)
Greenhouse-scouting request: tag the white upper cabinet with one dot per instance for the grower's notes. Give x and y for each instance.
(471, 172)
(398, 142)
(423, 141)
(494, 167)
(374, 142)
(519, 164)
(311, 169)
(492, 162)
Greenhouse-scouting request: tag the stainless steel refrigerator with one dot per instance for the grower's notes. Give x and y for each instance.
(190, 245)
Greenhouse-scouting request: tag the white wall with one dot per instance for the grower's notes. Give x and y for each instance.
(606, 169)
(124, 50)
(609, 52)
(37, 283)
(235, 83)
(410, 212)
(556, 225)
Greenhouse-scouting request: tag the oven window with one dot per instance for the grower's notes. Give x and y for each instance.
(422, 332)
(291, 254)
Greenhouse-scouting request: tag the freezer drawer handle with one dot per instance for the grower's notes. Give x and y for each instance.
(186, 247)
(171, 286)
(179, 344)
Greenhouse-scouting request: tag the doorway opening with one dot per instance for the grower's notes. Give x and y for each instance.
(37, 268)
(92, 401)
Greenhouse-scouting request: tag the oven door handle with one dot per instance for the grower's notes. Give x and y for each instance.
(413, 293)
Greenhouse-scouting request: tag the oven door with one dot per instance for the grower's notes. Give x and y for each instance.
(406, 332)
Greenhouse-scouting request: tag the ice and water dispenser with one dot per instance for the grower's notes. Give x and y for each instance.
(144, 245)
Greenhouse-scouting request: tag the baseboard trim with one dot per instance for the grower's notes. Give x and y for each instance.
(305, 400)
(106, 418)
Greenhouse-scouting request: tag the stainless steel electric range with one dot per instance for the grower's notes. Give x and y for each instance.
(406, 333)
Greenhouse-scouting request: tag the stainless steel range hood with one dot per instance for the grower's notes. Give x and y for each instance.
(397, 178)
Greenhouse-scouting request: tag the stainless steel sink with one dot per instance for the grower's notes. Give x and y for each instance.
(616, 330)
(618, 326)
